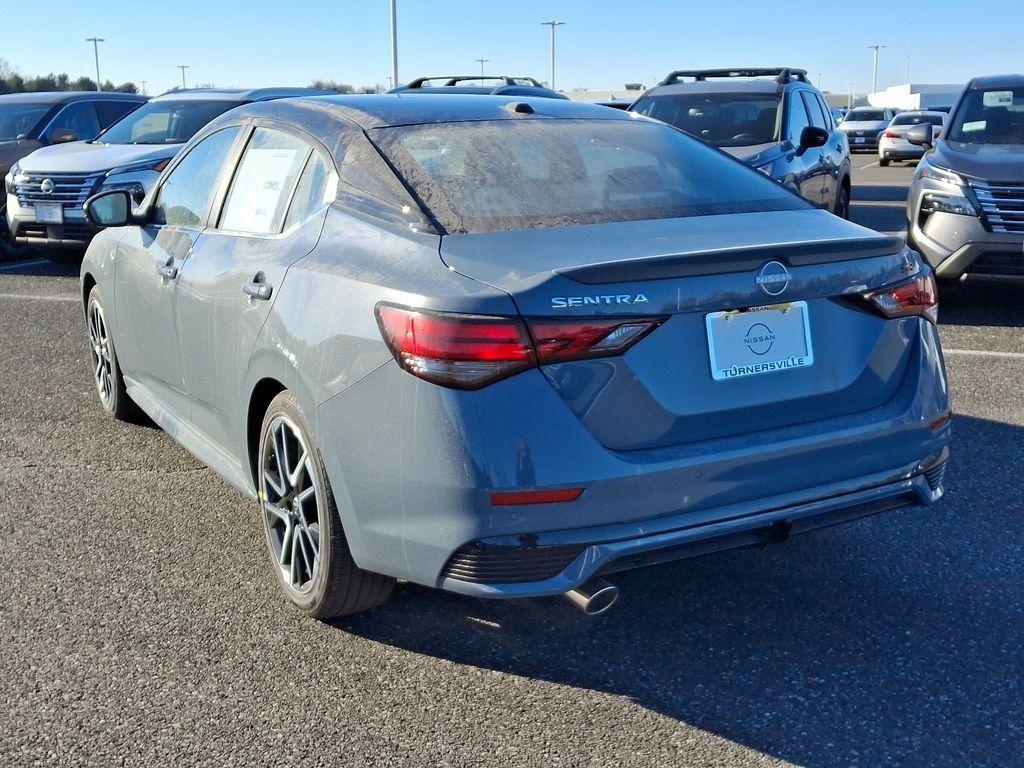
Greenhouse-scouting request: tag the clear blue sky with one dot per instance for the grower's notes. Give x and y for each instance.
(602, 45)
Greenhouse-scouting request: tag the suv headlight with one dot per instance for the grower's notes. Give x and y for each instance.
(926, 170)
(134, 187)
(9, 178)
(942, 202)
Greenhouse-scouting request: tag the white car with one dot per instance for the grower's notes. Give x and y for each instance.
(893, 144)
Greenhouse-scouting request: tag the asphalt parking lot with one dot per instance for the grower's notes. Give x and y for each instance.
(141, 625)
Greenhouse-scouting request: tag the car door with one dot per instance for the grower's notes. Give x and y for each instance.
(149, 261)
(271, 216)
(797, 165)
(820, 159)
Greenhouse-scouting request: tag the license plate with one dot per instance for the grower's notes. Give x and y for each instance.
(859, 140)
(49, 213)
(760, 340)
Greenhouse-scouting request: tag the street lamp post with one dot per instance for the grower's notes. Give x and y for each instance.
(183, 67)
(874, 68)
(96, 52)
(394, 44)
(143, 86)
(482, 62)
(552, 24)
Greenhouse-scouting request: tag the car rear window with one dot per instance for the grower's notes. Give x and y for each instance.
(487, 176)
(917, 119)
(722, 119)
(865, 115)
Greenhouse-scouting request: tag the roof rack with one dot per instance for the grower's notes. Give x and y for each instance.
(420, 82)
(782, 75)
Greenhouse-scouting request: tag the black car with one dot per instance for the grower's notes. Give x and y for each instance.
(29, 121)
(492, 85)
(780, 125)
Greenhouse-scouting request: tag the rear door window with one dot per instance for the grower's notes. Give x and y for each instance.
(262, 187)
(313, 190)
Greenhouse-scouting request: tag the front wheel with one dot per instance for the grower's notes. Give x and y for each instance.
(307, 545)
(842, 207)
(106, 371)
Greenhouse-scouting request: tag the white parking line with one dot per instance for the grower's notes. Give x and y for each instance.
(22, 264)
(984, 353)
(862, 167)
(32, 297)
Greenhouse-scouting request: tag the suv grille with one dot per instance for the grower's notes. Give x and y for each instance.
(70, 189)
(1002, 204)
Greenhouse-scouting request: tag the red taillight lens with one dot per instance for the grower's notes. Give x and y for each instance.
(919, 296)
(463, 351)
(558, 341)
(555, 496)
(892, 135)
(471, 351)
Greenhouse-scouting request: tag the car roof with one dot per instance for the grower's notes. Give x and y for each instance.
(719, 86)
(239, 94)
(382, 110)
(997, 81)
(62, 97)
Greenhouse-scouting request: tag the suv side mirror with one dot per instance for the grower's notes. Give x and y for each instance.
(812, 136)
(63, 136)
(109, 209)
(920, 135)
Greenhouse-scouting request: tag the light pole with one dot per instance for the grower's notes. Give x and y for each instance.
(183, 67)
(482, 62)
(552, 24)
(96, 52)
(143, 86)
(394, 44)
(874, 69)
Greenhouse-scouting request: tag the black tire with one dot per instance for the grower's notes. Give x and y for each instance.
(842, 208)
(884, 162)
(110, 385)
(338, 586)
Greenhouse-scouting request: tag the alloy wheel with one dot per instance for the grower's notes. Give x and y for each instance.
(292, 504)
(100, 351)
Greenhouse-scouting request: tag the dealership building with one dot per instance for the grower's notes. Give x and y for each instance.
(916, 95)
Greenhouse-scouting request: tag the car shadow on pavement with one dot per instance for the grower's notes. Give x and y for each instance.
(40, 266)
(978, 303)
(896, 193)
(892, 641)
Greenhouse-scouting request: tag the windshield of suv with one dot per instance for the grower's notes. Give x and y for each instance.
(166, 121)
(493, 175)
(916, 119)
(994, 116)
(18, 120)
(722, 119)
(865, 115)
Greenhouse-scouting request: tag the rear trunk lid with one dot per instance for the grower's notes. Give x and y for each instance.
(664, 390)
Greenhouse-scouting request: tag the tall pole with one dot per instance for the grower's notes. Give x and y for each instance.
(96, 52)
(482, 62)
(143, 91)
(394, 44)
(849, 99)
(183, 67)
(874, 69)
(552, 24)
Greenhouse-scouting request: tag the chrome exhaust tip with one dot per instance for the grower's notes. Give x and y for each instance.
(594, 597)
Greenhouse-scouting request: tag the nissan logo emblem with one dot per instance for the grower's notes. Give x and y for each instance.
(773, 278)
(46, 186)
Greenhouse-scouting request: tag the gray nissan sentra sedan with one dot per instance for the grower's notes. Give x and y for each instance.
(507, 347)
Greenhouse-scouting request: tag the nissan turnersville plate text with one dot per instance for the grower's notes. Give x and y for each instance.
(760, 340)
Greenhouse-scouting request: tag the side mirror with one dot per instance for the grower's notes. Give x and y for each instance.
(812, 136)
(920, 135)
(63, 136)
(109, 209)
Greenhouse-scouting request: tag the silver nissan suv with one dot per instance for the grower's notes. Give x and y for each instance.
(965, 210)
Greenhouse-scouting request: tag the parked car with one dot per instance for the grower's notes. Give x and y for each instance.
(780, 126)
(837, 115)
(894, 145)
(493, 85)
(965, 209)
(863, 126)
(29, 121)
(46, 189)
(503, 347)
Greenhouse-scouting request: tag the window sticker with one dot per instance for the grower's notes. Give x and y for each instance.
(974, 125)
(997, 98)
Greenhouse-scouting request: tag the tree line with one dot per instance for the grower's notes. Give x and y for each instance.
(11, 81)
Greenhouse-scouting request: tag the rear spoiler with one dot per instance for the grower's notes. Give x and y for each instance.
(731, 260)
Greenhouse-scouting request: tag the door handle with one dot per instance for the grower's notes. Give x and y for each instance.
(257, 290)
(167, 271)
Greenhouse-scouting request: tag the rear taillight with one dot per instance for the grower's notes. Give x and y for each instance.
(915, 297)
(892, 135)
(471, 351)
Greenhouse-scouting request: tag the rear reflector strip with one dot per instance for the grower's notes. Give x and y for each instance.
(508, 498)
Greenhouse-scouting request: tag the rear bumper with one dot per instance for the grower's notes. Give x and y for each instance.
(609, 549)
